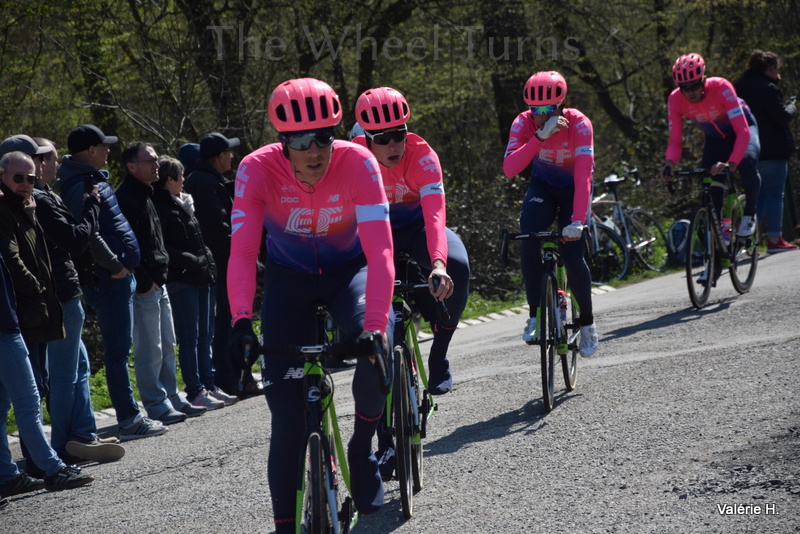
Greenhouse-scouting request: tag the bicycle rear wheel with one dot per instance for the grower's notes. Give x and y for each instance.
(700, 258)
(608, 256)
(744, 255)
(403, 432)
(569, 339)
(315, 513)
(648, 240)
(548, 338)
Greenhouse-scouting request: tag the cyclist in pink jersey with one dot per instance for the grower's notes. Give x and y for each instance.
(325, 211)
(559, 142)
(412, 177)
(730, 129)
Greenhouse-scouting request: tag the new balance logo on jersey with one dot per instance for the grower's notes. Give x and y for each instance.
(293, 373)
(334, 198)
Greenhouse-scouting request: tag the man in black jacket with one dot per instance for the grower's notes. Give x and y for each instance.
(213, 200)
(74, 431)
(759, 88)
(154, 357)
(110, 285)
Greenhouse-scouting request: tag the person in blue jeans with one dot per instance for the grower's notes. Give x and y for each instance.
(109, 286)
(18, 388)
(74, 430)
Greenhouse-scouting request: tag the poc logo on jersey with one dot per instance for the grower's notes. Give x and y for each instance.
(290, 200)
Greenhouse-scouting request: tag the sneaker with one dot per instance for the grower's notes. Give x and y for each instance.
(144, 428)
(68, 477)
(386, 463)
(109, 439)
(22, 483)
(172, 417)
(781, 245)
(529, 334)
(204, 399)
(747, 227)
(218, 394)
(3, 503)
(190, 410)
(589, 341)
(94, 450)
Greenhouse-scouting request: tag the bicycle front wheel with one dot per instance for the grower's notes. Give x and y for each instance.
(316, 516)
(403, 431)
(608, 257)
(700, 258)
(648, 240)
(744, 254)
(548, 338)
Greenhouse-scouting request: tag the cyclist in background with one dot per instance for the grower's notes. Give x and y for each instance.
(325, 211)
(731, 134)
(412, 178)
(559, 141)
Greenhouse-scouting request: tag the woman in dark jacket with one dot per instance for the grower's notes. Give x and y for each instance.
(190, 279)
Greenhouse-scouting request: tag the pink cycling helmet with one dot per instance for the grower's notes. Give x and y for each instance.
(545, 88)
(304, 104)
(381, 108)
(688, 68)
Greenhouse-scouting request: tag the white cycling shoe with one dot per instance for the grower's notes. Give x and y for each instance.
(747, 227)
(589, 340)
(529, 334)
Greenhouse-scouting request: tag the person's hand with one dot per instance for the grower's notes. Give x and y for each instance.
(122, 274)
(381, 360)
(718, 168)
(666, 171)
(446, 286)
(572, 232)
(243, 344)
(553, 124)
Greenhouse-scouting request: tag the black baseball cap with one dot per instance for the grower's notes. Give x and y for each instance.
(215, 144)
(87, 135)
(23, 143)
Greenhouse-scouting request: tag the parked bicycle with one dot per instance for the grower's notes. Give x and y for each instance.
(324, 504)
(556, 317)
(712, 248)
(411, 404)
(644, 237)
(606, 254)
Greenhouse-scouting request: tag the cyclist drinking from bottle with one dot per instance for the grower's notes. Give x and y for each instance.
(559, 142)
(412, 177)
(325, 211)
(731, 134)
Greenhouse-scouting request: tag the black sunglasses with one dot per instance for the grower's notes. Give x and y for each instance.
(384, 138)
(19, 177)
(691, 87)
(302, 140)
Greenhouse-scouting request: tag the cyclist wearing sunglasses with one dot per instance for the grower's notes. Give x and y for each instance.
(559, 141)
(325, 211)
(731, 133)
(412, 177)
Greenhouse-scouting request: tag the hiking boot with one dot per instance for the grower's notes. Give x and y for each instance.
(529, 334)
(204, 399)
(218, 394)
(95, 450)
(22, 483)
(68, 477)
(589, 340)
(144, 428)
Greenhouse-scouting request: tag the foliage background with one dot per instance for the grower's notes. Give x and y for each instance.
(169, 71)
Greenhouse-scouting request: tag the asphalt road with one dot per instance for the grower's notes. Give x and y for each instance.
(686, 421)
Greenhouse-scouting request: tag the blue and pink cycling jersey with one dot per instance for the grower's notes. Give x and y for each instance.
(312, 229)
(563, 159)
(719, 114)
(415, 190)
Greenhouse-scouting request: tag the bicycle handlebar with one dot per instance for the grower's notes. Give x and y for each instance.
(699, 172)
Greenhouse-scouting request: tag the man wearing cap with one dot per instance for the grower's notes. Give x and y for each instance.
(213, 201)
(116, 253)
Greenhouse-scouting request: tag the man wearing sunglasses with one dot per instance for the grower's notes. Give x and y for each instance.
(559, 142)
(412, 177)
(731, 133)
(325, 211)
